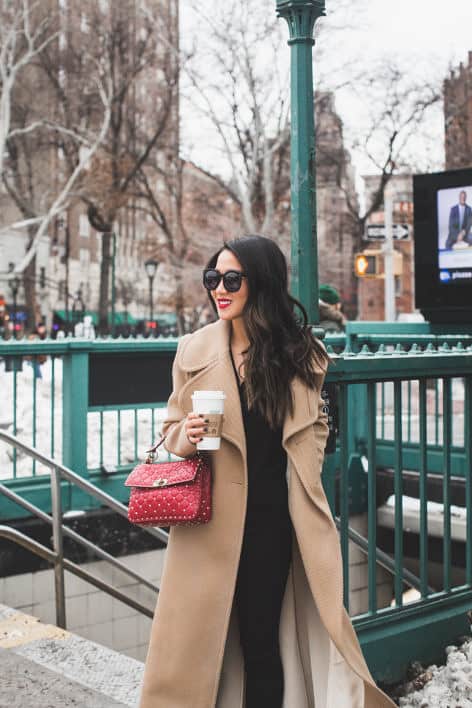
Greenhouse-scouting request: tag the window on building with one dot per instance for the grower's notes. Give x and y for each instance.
(84, 226)
(84, 23)
(398, 286)
(84, 257)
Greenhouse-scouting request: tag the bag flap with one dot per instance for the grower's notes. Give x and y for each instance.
(163, 474)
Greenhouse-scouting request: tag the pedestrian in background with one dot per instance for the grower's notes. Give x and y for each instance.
(250, 610)
(331, 317)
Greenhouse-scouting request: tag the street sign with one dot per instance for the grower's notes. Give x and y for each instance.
(376, 232)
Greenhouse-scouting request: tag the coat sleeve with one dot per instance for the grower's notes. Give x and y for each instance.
(173, 428)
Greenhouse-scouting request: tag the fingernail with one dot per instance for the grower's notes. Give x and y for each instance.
(200, 439)
(207, 420)
(205, 430)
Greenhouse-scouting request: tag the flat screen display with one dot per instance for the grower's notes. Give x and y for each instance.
(454, 208)
(443, 245)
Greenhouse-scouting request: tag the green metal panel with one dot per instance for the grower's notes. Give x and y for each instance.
(74, 407)
(398, 490)
(53, 404)
(372, 495)
(19, 348)
(357, 412)
(423, 470)
(468, 475)
(15, 431)
(447, 444)
(344, 490)
(387, 367)
(391, 641)
(412, 458)
(357, 486)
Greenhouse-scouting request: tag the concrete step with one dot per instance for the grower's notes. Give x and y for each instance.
(44, 667)
(26, 684)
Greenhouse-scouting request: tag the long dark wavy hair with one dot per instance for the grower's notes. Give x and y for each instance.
(282, 345)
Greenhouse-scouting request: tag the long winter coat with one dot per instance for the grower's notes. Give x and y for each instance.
(194, 658)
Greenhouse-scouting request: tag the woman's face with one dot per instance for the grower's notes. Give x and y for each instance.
(229, 305)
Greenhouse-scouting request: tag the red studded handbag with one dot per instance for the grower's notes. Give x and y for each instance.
(170, 493)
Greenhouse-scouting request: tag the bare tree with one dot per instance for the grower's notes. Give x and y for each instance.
(389, 139)
(22, 39)
(110, 90)
(238, 85)
(139, 47)
(32, 171)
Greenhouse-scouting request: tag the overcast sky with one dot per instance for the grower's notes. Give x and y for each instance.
(423, 28)
(425, 36)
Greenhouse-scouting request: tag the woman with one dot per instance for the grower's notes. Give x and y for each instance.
(250, 612)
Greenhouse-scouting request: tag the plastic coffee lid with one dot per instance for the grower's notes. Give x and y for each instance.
(220, 395)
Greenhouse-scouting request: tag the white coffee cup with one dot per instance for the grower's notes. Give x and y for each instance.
(210, 404)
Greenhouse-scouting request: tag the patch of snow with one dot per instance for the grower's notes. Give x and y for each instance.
(413, 504)
(450, 685)
(50, 443)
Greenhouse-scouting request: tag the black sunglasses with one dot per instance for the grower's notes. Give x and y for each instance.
(232, 279)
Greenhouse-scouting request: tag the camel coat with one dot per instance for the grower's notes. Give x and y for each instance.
(194, 658)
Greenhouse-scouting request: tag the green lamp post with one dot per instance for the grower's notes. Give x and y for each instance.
(301, 16)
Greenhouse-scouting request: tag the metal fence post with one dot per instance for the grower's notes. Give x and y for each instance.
(74, 410)
(301, 16)
(57, 538)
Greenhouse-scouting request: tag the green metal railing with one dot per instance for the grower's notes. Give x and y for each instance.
(52, 412)
(397, 410)
(440, 613)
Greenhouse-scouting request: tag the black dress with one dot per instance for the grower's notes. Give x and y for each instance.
(265, 559)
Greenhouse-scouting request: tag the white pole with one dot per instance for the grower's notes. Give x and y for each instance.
(390, 314)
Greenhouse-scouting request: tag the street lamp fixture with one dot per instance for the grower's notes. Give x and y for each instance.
(151, 270)
(78, 306)
(151, 267)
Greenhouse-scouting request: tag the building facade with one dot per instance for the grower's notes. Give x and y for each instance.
(458, 116)
(337, 204)
(371, 291)
(59, 90)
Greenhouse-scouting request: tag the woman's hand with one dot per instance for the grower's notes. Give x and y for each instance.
(195, 427)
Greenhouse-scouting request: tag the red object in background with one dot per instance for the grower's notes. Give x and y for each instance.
(151, 324)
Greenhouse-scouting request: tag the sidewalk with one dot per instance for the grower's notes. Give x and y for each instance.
(46, 667)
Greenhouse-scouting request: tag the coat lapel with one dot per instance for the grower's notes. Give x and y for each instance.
(206, 359)
(305, 411)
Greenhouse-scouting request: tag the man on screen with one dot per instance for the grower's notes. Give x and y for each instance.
(460, 223)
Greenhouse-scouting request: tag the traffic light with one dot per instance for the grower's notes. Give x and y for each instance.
(371, 264)
(367, 264)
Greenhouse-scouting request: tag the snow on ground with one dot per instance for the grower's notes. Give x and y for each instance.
(130, 450)
(450, 686)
